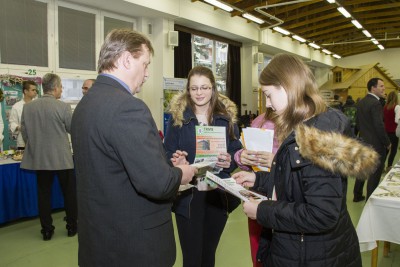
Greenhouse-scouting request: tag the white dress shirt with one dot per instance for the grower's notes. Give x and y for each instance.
(15, 121)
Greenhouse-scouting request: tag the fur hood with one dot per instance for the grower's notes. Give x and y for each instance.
(178, 106)
(336, 152)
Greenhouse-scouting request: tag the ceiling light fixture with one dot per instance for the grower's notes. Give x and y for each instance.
(344, 12)
(331, 1)
(326, 51)
(336, 56)
(374, 41)
(366, 33)
(381, 47)
(219, 5)
(314, 45)
(357, 24)
(252, 18)
(283, 31)
(298, 38)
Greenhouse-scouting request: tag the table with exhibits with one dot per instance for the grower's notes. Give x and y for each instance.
(380, 218)
(18, 192)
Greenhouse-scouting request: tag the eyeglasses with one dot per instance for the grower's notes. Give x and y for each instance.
(202, 88)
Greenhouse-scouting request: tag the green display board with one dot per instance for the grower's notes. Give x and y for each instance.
(11, 87)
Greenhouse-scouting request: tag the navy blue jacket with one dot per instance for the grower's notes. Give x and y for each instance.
(184, 138)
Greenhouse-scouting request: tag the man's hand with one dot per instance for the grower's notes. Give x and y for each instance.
(187, 173)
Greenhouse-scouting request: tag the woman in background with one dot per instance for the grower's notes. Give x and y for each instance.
(391, 115)
(247, 158)
(201, 215)
(307, 183)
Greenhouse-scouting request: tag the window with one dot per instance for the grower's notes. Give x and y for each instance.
(76, 38)
(337, 76)
(214, 55)
(111, 23)
(23, 33)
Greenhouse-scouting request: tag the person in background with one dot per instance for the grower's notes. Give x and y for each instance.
(45, 124)
(125, 181)
(369, 120)
(307, 183)
(350, 110)
(201, 215)
(87, 84)
(336, 103)
(29, 90)
(245, 159)
(391, 115)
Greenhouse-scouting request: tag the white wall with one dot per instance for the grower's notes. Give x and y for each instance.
(388, 59)
(162, 15)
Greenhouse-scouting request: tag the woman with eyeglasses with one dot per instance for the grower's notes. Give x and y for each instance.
(201, 213)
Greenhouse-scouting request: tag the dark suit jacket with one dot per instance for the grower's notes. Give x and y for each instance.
(369, 120)
(124, 181)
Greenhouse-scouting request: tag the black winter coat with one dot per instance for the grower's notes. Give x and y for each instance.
(309, 220)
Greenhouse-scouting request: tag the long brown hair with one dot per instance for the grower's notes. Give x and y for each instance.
(304, 100)
(216, 106)
(392, 100)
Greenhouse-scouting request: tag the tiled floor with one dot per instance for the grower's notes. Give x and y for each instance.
(21, 244)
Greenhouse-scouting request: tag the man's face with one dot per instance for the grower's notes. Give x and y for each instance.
(379, 90)
(86, 86)
(31, 92)
(139, 70)
(58, 91)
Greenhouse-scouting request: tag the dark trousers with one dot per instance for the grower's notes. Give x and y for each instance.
(373, 180)
(394, 140)
(200, 234)
(68, 186)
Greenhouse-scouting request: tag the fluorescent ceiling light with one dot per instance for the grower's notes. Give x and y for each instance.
(252, 18)
(220, 5)
(357, 24)
(326, 51)
(381, 47)
(314, 45)
(298, 38)
(283, 31)
(366, 33)
(336, 56)
(374, 41)
(344, 12)
(331, 1)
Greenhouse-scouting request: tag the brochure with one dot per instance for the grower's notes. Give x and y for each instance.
(230, 185)
(258, 139)
(210, 141)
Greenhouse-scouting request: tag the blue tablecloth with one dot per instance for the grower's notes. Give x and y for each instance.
(18, 193)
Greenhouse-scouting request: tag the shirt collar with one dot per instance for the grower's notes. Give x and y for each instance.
(373, 95)
(118, 80)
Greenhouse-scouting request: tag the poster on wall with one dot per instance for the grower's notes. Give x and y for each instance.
(171, 86)
(11, 87)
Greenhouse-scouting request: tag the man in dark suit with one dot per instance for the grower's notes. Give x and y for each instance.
(369, 120)
(125, 183)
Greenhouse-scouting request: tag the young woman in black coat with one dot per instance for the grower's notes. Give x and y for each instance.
(306, 222)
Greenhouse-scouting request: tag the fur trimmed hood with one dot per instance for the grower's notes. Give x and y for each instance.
(336, 152)
(178, 106)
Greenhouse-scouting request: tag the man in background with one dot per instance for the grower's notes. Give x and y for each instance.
(87, 84)
(125, 182)
(369, 121)
(45, 123)
(29, 90)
